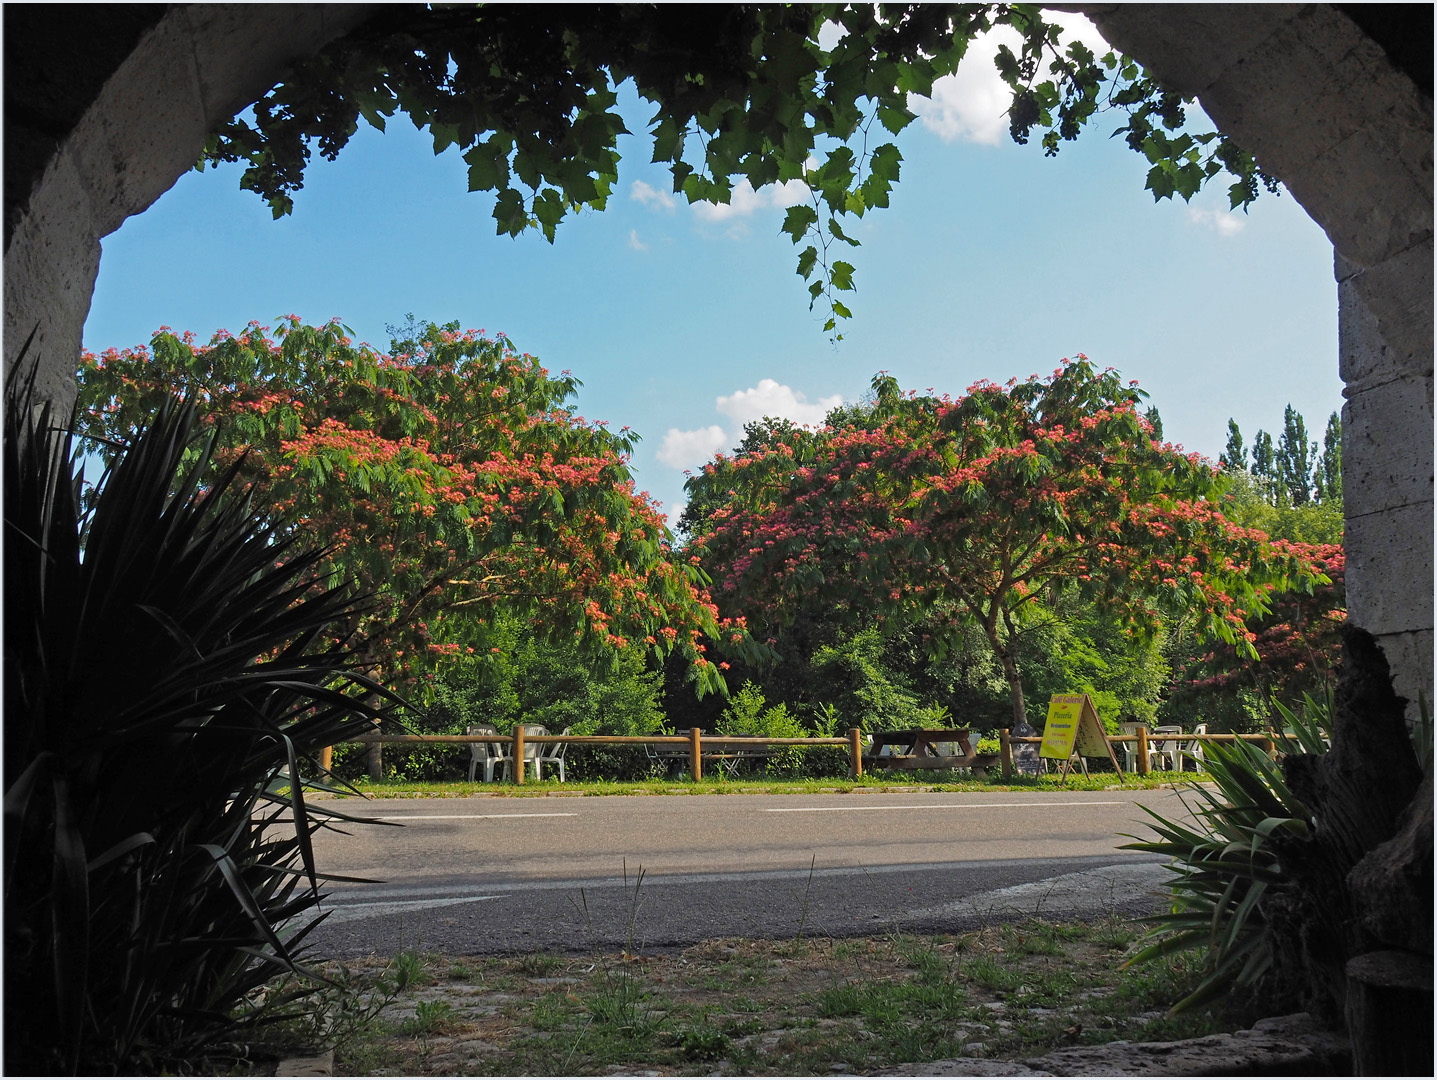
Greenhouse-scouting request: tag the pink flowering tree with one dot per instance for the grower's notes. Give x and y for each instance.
(449, 480)
(986, 507)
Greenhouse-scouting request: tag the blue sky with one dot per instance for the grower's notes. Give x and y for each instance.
(683, 322)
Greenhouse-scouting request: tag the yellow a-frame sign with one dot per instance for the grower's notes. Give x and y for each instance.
(1073, 723)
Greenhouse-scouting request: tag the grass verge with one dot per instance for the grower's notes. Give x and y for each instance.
(740, 1007)
(942, 781)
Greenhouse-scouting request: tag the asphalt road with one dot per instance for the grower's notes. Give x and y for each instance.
(493, 875)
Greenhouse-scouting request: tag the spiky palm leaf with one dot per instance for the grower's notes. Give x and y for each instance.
(167, 675)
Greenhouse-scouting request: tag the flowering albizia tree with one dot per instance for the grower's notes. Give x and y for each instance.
(983, 506)
(449, 480)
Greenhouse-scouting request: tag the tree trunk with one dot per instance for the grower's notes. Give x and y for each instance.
(1015, 692)
(1015, 683)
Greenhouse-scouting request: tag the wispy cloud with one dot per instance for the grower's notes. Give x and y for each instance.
(652, 196)
(635, 242)
(972, 103)
(744, 200)
(681, 449)
(688, 449)
(1222, 222)
(773, 398)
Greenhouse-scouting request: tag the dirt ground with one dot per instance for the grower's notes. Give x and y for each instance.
(799, 1007)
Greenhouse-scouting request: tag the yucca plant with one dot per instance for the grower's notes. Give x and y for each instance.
(167, 679)
(1223, 865)
(1226, 865)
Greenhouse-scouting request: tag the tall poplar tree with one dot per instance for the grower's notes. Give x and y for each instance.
(1234, 457)
(1264, 467)
(1296, 456)
(1329, 465)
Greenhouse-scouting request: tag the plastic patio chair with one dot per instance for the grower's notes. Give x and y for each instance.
(531, 750)
(1194, 750)
(549, 754)
(483, 753)
(1169, 748)
(1130, 749)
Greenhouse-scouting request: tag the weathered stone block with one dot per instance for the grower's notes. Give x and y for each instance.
(1389, 570)
(1190, 44)
(1409, 656)
(241, 50)
(1387, 446)
(1379, 204)
(1385, 317)
(141, 132)
(50, 272)
(1279, 1046)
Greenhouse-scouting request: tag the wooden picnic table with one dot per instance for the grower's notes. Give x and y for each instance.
(920, 748)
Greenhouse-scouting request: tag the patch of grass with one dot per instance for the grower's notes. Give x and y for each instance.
(778, 1008)
(540, 964)
(408, 969)
(429, 1018)
(885, 780)
(992, 974)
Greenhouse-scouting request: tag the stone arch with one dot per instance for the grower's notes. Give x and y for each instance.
(1338, 103)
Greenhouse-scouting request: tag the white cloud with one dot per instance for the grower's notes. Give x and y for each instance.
(772, 398)
(686, 448)
(672, 515)
(652, 196)
(689, 449)
(972, 103)
(1222, 222)
(744, 201)
(635, 242)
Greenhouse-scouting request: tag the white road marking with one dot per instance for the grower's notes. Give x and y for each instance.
(934, 806)
(368, 909)
(464, 817)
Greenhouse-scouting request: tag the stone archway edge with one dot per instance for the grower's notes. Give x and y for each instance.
(190, 72)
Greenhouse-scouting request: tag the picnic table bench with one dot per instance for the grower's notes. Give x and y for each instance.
(927, 748)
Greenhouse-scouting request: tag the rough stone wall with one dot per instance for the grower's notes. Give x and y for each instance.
(192, 70)
(1322, 106)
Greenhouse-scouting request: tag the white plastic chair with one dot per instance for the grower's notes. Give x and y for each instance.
(531, 750)
(1169, 748)
(1130, 749)
(549, 754)
(483, 753)
(1194, 750)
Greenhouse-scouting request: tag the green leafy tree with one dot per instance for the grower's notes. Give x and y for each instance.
(741, 93)
(1264, 467)
(1155, 423)
(1296, 457)
(986, 506)
(451, 479)
(1234, 457)
(1328, 479)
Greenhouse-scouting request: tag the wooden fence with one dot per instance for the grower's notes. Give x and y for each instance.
(695, 741)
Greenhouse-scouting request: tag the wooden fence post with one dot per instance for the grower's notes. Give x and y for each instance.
(696, 761)
(374, 758)
(1143, 762)
(855, 752)
(326, 758)
(518, 753)
(1005, 754)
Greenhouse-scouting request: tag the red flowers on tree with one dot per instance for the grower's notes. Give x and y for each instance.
(983, 506)
(449, 480)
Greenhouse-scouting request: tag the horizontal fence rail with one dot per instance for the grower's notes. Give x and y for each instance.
(695, 741)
